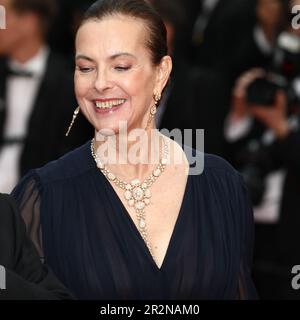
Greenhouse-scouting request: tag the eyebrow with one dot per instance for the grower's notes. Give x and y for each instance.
(81, 56)
(113, 57)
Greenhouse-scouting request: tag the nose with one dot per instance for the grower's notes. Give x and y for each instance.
(102, 81)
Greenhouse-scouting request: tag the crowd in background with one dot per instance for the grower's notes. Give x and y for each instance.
(236, 75)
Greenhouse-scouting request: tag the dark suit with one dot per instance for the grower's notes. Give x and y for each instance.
(26, 276)
(197, 101)
(228, 43)
(229, 23)
(276, 245)
(50, 116)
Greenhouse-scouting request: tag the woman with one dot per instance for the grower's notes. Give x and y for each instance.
(135, 231)
(22, 275)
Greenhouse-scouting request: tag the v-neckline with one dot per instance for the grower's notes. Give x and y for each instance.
(136, 231)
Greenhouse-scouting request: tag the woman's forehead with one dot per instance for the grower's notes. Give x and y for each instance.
(113, 31)
(102, 39)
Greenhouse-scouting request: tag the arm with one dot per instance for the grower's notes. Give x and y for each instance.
(240, 126)
(26, 276)
(238, 123)
(285, 150)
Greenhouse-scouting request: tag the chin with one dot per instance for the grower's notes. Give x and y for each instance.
(107, 132)
(111, 129)
(113, 125)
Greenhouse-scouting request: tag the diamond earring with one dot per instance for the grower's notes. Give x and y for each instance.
(153, 110)
(75, 114)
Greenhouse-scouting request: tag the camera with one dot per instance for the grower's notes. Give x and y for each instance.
(285, 67)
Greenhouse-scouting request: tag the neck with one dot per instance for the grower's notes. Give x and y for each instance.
(130, 158)
(29, 48)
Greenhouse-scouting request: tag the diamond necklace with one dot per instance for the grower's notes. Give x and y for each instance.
(136, 193)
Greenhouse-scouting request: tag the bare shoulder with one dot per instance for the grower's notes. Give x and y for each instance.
(177, 156)
(178, 165)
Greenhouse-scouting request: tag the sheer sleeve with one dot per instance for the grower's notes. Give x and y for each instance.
(27, 195)
(246, 288)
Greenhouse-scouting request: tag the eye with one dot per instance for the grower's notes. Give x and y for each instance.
(85, 69)
(122, 68)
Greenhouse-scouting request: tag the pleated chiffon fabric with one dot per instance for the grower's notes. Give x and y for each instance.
(85, 234)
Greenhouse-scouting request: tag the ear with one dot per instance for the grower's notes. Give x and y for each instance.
(163, 73)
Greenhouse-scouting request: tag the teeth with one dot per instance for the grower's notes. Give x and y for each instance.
(109, 104)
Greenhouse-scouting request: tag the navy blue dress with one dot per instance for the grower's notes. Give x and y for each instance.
(87, 237)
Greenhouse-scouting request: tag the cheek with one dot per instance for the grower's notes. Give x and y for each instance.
(10, 34)
(14, 26)
(82, 86)
(139, 85)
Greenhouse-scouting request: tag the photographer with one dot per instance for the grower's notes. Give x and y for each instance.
(263, 136)
(264, 142)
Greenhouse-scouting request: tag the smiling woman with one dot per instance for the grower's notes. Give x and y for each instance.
(115, 73)
(145, 230)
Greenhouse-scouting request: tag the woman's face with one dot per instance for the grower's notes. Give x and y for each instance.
(115, 79)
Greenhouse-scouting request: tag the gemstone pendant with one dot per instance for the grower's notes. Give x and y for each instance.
(138, 194)
(139, 205)
(135, 182)
(128, 195)
(142, 223)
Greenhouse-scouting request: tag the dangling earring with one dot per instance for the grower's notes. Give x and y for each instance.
(153, 110)
(75, 114)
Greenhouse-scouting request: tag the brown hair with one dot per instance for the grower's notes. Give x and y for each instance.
(140, 9)
(45, 9)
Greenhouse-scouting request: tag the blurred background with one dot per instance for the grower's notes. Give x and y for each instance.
(236, 75)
